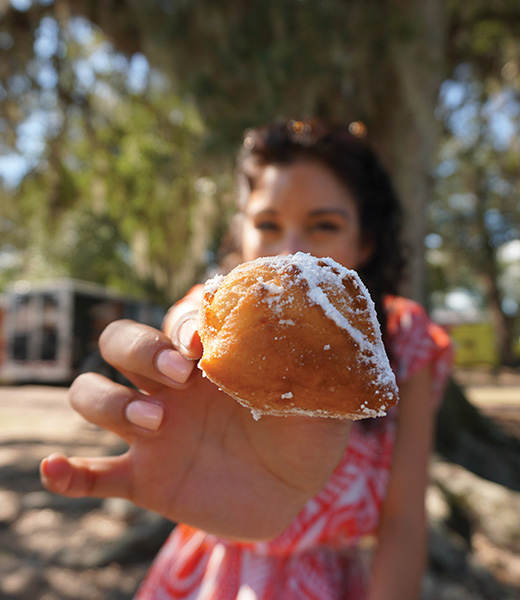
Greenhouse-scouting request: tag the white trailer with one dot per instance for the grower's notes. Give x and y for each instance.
(50, 330)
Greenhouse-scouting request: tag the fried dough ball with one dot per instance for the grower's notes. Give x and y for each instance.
(296, 335)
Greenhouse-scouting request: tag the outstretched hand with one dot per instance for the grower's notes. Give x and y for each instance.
(194, 454)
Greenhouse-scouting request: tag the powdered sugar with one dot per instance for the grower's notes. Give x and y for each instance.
(316, 271)
(212, 285)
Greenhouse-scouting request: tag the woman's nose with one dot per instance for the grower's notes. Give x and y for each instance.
(293, 242)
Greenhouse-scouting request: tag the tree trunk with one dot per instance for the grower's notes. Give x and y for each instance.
(408, 132)
(476, 442)
(490, 274)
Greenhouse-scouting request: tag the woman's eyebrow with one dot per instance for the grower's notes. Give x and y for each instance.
(264, 212)
(320, 212)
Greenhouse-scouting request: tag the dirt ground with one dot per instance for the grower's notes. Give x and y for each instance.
(495, 394)
(57, 549)
(52, 548)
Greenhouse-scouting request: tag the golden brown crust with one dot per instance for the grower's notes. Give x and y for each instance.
(296, 335)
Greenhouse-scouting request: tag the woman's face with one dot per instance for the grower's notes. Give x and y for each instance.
(303, 207)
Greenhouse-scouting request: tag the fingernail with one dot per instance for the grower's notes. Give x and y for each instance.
(186, 332)
(173, 365)
(145, 414)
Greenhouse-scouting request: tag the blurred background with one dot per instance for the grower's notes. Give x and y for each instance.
(119, 125)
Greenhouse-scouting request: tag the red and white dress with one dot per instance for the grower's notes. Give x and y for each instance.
(317, 557)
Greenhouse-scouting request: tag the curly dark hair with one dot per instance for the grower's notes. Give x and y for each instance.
(358, 167)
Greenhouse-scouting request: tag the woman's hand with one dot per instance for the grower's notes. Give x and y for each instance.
(195, 455)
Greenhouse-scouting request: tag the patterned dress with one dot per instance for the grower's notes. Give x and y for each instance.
(318, 556)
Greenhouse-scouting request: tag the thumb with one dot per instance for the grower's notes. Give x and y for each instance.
(78, 477)
(185, 336)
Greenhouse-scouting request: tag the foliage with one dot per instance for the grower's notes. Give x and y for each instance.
(119, 192)
(127, 111)
(477, 206)
(242, 64)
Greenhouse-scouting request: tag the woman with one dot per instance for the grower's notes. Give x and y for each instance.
(265, 517)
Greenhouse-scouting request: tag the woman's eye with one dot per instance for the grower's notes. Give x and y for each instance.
(267, 226)
(326, 226)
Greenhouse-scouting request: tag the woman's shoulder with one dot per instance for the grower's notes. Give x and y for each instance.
(401, 307)
(414, 339)
(408, 317)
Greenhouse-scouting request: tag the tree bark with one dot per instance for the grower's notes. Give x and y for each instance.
(490, 274)
(408, 132)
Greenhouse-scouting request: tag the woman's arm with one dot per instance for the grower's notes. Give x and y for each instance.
(400, 559)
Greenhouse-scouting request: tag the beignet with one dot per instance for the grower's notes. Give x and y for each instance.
(296, 335)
